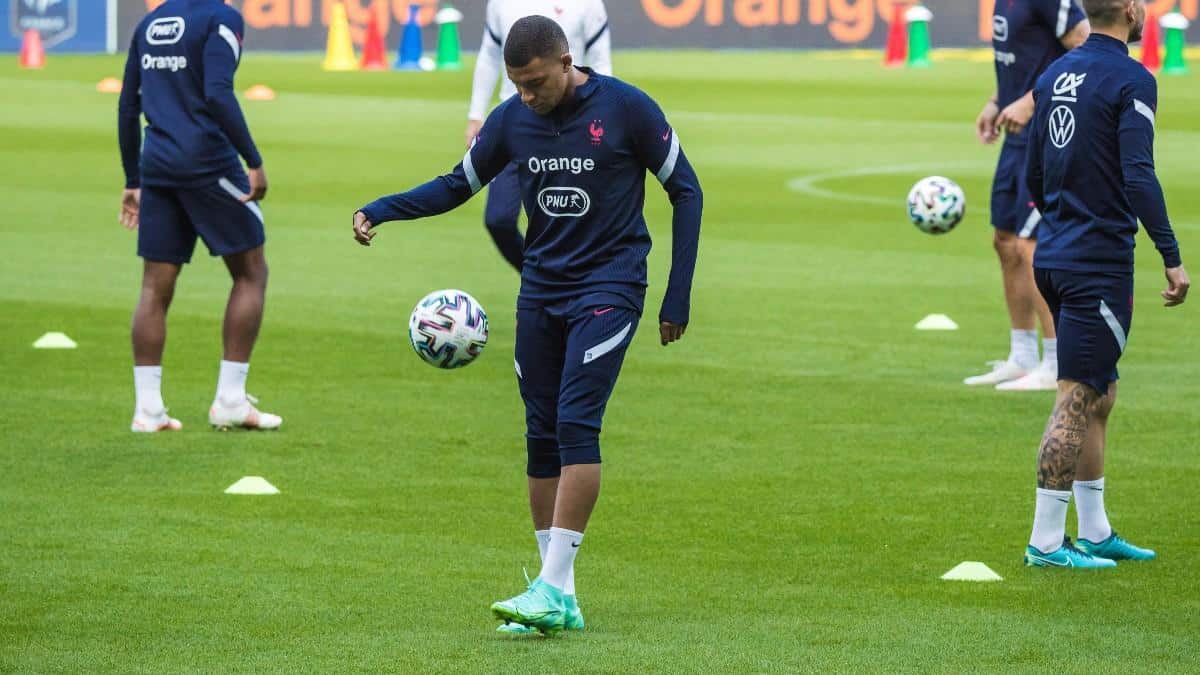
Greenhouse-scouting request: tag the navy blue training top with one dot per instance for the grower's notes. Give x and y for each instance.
(582, 171)
(1027, 37)
(182, 58)
(1090, 164)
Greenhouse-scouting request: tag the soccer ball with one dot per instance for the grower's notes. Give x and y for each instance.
(448, 329)
(936, 205)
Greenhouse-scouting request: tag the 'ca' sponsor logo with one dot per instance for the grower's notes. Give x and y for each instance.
(56, 20)
(1000, 28)
(1062, 126)
(165, 31)
(564, 201)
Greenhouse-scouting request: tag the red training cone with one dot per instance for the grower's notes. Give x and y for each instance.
(897, 41)
(32, 53)
(1151, 40)
(373, 50)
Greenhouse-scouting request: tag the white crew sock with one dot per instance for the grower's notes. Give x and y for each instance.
(1050, 353)
(231, 383)
(560, 557)
(147, 388)
(1024, 348)
(1089, 507)
(543, 540)
(1050, 519)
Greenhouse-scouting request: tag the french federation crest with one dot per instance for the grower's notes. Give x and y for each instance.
(56, 20)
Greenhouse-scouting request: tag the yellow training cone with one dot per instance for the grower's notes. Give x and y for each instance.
(339, 51)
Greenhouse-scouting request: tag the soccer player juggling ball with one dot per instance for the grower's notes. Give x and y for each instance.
(1090, 170)
(582, 143)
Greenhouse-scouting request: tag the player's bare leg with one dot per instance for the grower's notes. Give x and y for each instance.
(1058, 460)
(232, 406)
(542, 493)
(1096, 535)
(578, 490)
(149, 337)
(1020, 292)
(1044, 377)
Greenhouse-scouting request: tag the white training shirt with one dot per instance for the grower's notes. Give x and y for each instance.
(584, 21)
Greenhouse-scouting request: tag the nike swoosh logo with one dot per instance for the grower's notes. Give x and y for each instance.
(666, 136)
(574, 545)
(1065, 501)
(602, 312)
(1094, 489)
(1052, 563)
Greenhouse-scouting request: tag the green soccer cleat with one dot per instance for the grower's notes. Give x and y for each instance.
(574, 617)
(1066, 556)
(572, 621)
(1116, 548)
(541, 606)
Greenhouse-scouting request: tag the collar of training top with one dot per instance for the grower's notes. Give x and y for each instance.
(1108, 43)
(582, 92)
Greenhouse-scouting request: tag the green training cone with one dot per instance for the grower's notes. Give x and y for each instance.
(1175, 27)
(449, 52)
(918, 18)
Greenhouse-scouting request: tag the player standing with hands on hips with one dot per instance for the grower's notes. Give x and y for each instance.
(189, 183)
(585, 22)
(1091, 173)
(582, 144)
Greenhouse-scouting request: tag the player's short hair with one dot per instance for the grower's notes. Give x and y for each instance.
(534, 37)
(1103, 12)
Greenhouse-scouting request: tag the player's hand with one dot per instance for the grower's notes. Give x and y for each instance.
(363, 233)
(670, 332)
(1016, 116)
(985, 124)
(1177, 286)
(131, 202)
(473, 127)
(258, 185)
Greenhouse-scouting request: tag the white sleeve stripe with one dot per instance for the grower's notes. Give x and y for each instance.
(492, 34)
(592, 40)
(225, 32)
(1064, 9)
(472, 177)
(668, 167)
(1144, 110)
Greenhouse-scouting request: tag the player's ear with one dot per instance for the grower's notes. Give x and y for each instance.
(567, 60)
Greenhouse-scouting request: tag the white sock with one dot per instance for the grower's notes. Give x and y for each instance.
(231, 383)
(560, 556)
(1089, 507)
(543, 540)
(1050, 520)
(147, 387)
(1050, 353)
(1024, 348)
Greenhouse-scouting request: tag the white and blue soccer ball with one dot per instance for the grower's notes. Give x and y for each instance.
(936, 205)
(448, 328)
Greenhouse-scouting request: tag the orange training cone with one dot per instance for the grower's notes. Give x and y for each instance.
(373, 50)
(897, 40)
(32, 53)
(1151, 57)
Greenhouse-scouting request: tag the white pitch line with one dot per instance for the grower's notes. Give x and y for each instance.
(808, 184)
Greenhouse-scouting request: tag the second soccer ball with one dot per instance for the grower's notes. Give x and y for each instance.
(448, 328)
(936, 205)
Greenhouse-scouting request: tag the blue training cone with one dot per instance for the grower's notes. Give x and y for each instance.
(409, 57)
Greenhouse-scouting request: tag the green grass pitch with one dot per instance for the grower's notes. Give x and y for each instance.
(783, 488)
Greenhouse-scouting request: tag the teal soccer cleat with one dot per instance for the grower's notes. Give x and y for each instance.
(1116, 548)
(1066, 556)
(572, 621)
(541, 606)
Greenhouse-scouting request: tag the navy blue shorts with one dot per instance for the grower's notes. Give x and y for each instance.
(503, 207)
(170, 219)
(1093, 314)
(1012, 205)
(567, 362)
